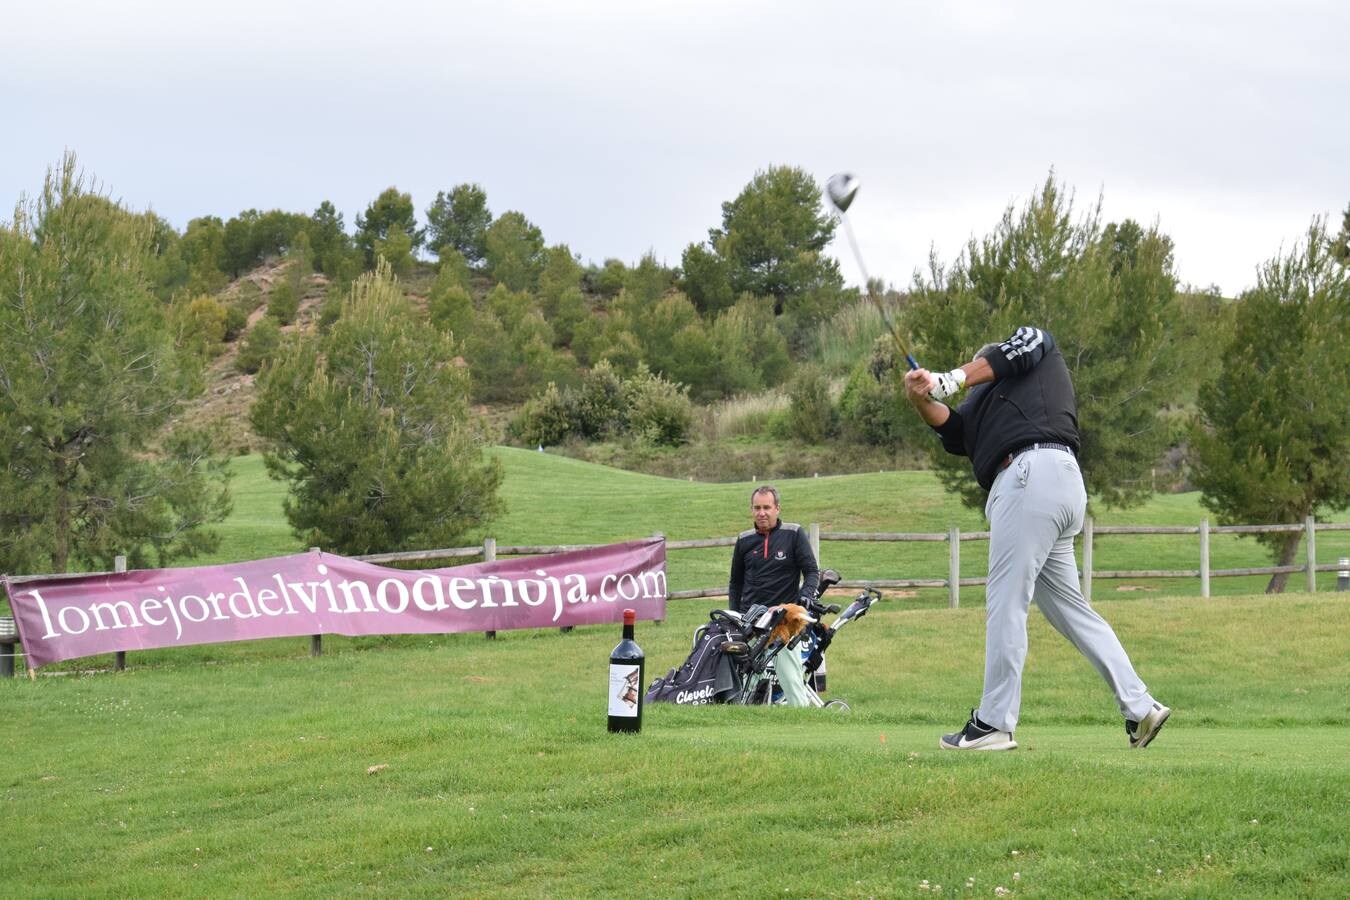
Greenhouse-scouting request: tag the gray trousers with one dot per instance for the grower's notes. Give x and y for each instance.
(1035, 508)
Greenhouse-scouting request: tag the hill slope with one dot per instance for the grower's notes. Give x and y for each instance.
(553, 499)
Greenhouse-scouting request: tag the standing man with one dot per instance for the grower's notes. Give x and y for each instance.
(1019, 426)
(771, 564)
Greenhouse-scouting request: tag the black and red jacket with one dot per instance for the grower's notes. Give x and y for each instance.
(772, 568)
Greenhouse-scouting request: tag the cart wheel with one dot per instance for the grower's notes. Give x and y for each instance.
(839, 706)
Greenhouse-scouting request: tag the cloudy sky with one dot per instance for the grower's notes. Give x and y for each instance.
(620, 127)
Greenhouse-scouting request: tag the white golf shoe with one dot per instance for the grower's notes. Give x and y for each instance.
(1147, 728)
(978, 736)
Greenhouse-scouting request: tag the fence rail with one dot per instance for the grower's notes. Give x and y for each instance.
(954, 537)
(1087, 574)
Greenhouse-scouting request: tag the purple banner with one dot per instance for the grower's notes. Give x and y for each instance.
(67, 616)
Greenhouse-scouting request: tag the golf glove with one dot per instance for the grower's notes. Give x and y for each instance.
(947, 384)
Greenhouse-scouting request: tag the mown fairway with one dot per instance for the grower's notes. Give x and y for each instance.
(254, 776)
(555, 500)
(455, 766)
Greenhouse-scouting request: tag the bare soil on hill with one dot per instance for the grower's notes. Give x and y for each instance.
(229, 393)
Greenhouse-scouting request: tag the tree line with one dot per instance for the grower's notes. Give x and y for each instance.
(110, 317)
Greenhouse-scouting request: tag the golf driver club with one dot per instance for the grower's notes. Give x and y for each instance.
(841, 189)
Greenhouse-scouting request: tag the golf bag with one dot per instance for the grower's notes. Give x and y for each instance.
(707, 676)
(732, 659)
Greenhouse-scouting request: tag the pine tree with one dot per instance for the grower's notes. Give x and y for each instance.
(1341, 245)
(387, 214)
(1108, 296)
(458, 222)
(371, 428)
(328, 238)
(515, 251)
(89, 376)
(1274, 432)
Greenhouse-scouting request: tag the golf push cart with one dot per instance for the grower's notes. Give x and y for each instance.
(732, 660)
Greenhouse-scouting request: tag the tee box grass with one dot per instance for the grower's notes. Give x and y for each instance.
(456, 766)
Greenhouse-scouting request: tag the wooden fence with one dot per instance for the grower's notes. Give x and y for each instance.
(952, 581)
(954, 537)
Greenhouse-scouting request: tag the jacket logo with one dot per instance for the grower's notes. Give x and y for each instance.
(780, 555)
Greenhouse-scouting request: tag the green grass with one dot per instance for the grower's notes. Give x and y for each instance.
(178, 778)
(455, 766)
(552, 499)
(257, 527)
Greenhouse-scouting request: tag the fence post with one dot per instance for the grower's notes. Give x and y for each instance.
(1204, 557)
(1087, 559)
(315, 640)
(660, 535)
(490, 555)
(1343, 576)
(9, 638)
(813, 533)
(1310, 526)
(120, 657)
(953, 567)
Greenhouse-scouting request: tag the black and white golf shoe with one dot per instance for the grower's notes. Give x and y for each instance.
(1147, 728)
(978, 736)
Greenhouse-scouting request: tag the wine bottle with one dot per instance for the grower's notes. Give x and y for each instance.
(626, 666)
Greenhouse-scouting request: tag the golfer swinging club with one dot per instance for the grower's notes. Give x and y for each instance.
(1019, 426)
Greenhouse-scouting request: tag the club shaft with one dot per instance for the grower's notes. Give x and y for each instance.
(876, 301)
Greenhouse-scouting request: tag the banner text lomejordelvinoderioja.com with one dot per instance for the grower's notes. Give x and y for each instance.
(67, 616)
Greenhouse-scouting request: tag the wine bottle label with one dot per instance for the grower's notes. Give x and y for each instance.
(623, 689)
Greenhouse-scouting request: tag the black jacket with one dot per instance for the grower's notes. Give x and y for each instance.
(767, 568)
(1030, 400)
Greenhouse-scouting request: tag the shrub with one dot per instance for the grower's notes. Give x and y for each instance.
(752, 353)
(546, 420)
(450, 307)
(873, 409)
(201, 326)
(810, 416)
(248, 297)
(646, 406)
(849, 334)
(595, 409)
(607, 282)
(601, 407)
(259, 347)
(570, 316)
(330, 308)
(396, 248)
(659, 412)
(236, 320)
(283, 303)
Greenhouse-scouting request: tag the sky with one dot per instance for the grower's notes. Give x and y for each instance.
(619, 128)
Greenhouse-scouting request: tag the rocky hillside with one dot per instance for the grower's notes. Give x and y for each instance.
(229, 392)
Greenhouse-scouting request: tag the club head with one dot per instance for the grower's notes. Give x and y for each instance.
(841, 190)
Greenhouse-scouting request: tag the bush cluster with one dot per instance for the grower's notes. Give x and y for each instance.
(645, 407)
